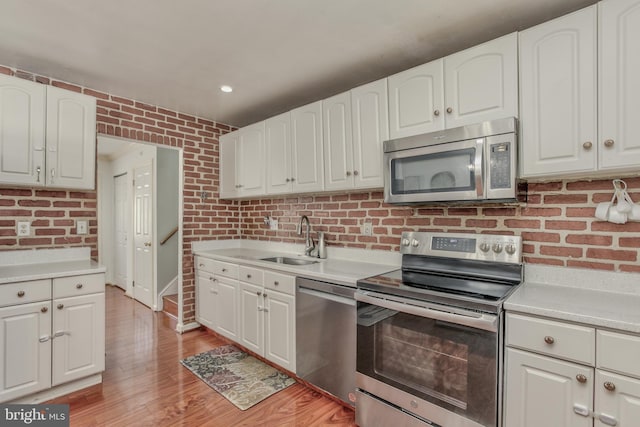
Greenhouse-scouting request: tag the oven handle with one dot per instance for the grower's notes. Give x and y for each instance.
(477, 164)
(487, 322)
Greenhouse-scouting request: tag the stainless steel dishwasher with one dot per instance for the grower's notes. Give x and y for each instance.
(326, 337)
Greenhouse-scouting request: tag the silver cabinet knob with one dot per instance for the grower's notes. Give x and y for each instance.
(224, 270)
(44, 309)
(79, 286)
(355, 173)
(287, 180)
(436, 113)
(258, 293)
(276, 283)
(587, 145)
(147, 244)
(200, 265)
(20, 294)
(549, 340)
(348, 173)
(608, 143)
(248, 276)
(292, 179)
(581, 378)
(60, 306)
(264, 295)
(609, 385)
(449, 110)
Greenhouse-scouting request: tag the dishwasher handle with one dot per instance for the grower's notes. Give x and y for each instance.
(327, 295)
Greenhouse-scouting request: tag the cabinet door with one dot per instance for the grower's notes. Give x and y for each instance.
(306, 140)
(370, 121)
(71, 139)
(338, 147)
(280, 329)
(25, 361)
(278, 153)
(481, 83)
(227, 165)
(558, 95)
(226, 308)
(617, 399)
(541, 391)
(206, 298)
(251, 317)
(22, 125)
(78, 344)
(250, 160)
(619, 144)
(416, 100)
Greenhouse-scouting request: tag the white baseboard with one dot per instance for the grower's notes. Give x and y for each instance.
(170, 289)
(60, 390)
(182, 328)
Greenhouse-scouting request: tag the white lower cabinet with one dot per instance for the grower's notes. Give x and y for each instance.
(217, 296)
(52, 332)
(226, 308)
(267, 318)
(546, 386)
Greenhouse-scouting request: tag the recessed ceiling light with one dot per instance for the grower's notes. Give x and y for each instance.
(226, 88)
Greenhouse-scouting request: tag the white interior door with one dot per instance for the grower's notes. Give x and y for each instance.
(120, 228)
(143, 235)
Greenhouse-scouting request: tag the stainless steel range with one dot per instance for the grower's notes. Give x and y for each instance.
(429, 336)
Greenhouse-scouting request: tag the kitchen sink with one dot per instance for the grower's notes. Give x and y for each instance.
(290, 261)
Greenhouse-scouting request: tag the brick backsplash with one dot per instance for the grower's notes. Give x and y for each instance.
(53, 213)
(557, 222)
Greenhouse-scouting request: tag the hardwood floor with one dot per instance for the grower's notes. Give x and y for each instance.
(145, 385)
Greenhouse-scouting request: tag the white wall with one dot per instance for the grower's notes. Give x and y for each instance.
(167, 208)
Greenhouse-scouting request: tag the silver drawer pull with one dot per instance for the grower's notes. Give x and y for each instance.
(20, 294)
(581, 378)
(549, 340)
(79, 286)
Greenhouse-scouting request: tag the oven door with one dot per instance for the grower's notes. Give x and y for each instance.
(450, 171)
(444, 360)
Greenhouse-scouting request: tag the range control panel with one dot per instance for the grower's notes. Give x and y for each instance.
(488, 247)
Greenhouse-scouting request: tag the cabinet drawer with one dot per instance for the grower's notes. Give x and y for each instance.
(618, 352)
(78, 285)
(280, 282)
(225, 269)
(562, 340)
(25, 292)
(250, 275)
(205, 264)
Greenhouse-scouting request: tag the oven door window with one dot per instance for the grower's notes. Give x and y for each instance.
(450, 365)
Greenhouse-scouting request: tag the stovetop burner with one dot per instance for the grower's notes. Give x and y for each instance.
(472, 271)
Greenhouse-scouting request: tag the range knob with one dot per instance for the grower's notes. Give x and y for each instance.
(415, 243)
(405, 242)
(484, 247)
(510, 249)
(497, 248)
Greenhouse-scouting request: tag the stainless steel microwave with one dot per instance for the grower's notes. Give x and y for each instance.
(469, 163)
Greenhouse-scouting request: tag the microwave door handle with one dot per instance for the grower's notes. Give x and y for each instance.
(485, 322)
(477, 167)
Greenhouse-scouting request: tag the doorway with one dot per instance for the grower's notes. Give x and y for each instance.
(139, 227)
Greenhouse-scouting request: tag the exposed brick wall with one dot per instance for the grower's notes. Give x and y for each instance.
(557, 223)
(53, 213)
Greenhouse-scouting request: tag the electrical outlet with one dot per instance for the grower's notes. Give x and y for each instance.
(23, 228)
(273, 224)
(81, 227)
(367, 228)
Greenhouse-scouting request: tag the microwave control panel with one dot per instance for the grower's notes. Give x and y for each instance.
(500, 165)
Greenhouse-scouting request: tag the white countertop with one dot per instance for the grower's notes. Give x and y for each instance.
(21, 266)
(597, 298)
(344, 266)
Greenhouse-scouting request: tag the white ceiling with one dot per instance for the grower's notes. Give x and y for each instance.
(277, 54)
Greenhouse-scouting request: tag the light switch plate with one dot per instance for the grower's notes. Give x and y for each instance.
(81, 226)
(23, 228)
(273, 224)
(367, 228)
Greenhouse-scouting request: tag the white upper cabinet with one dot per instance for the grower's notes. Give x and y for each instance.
(481, 83)
(71, 139)
(22, 130)
(477, 84)
(416, 100)
(278, 154)
(370, 124)
(306, 142)
(619, 71)
(47, 135)
(558, 127)
(338, 144)
(227, 165)
(250, 164)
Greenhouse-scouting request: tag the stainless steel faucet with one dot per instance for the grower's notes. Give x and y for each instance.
(309, 246)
